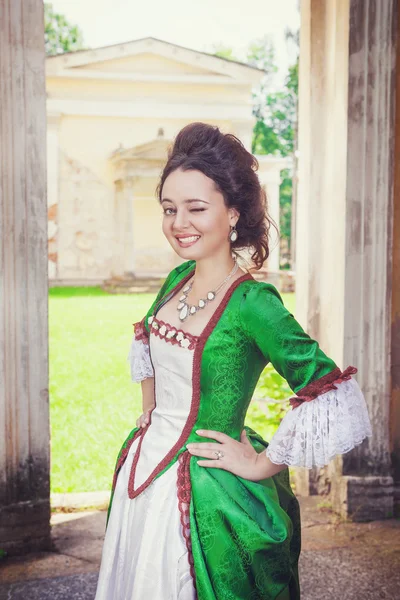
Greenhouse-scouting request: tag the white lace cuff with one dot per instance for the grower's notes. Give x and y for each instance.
(140, 361)
(312, 434)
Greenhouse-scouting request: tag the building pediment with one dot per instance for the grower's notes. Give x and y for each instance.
(143, 160)
(150, 59)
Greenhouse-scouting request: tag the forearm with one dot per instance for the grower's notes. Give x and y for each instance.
(266, 467)
(148, 395)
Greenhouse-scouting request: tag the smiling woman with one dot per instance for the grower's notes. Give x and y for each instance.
(202, 506)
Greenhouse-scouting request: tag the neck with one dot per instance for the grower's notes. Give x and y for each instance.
(210, 273)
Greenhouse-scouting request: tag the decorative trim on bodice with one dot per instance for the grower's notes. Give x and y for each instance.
(140, 331)
(123, 454)
(172, 334)
(184, 491)
(320, 386)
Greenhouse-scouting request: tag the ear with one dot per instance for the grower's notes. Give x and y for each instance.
(234, 215)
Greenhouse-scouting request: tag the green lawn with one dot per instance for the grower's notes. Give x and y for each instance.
(93, 402)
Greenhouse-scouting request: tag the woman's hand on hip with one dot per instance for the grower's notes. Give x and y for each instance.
(238, 457)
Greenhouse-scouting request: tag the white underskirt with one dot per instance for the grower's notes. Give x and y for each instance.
(144, 551)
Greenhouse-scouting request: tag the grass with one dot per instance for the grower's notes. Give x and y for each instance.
(93, 403)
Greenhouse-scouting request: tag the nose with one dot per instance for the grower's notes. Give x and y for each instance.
(181, 220)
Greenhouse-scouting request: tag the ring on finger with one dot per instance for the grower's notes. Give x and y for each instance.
(219, 454)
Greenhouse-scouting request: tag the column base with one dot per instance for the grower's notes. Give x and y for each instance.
(312, 482)
(25, 527)
(363, 498)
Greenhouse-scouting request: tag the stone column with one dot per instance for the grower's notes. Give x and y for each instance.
(269, 174)
(124, 263)
(395, 349)
(24, 398)
(345, 221)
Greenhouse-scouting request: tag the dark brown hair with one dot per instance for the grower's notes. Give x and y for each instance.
(224, 159)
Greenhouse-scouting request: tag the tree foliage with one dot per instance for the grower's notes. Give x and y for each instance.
(59, 35)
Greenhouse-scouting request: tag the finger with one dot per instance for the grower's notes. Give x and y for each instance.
(244, 439)
(201, 452)
(214, 464)
(204, 446)
(216, 435)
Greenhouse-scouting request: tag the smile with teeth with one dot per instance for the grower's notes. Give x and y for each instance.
(188, 240)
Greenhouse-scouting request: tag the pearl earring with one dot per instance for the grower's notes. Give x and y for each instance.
(233, 235)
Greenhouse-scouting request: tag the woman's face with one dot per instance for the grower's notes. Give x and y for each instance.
(196, 221)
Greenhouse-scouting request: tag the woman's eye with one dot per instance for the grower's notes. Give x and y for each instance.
(166, 211)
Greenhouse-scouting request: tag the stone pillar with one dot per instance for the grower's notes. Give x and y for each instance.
(124, 264)
(345, 220)
(24, 404)
(269, 174)
(395, 349)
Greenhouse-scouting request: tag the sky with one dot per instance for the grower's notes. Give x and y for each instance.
(196, 24)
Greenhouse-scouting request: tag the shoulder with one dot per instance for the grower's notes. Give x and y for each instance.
(261, 303)
(180, 271)
(260, 292)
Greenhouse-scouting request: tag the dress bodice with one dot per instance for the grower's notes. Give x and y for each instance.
(172, 360)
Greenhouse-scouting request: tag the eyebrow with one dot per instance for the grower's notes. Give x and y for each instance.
(188, 200)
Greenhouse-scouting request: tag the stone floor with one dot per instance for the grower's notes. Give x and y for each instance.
(339, 560)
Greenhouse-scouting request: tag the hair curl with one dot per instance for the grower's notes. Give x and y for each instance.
(224, 159)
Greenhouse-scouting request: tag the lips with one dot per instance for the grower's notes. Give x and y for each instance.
(187, 240)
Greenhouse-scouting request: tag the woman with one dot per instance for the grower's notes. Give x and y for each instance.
(201, 506)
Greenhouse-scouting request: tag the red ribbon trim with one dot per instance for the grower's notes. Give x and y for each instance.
(184, 490)
(320, 386)
(193, 339)
(141, 331)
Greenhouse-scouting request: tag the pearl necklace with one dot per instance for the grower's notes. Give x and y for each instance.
(186, 310)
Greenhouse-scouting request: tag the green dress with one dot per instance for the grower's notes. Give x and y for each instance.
(244, 540)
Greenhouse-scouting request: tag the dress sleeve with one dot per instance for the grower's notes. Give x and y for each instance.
(329, 414)
(139, 354)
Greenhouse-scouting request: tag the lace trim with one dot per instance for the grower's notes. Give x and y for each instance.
(320, 386)
(184, 490)
(194, 407)
(140, 360)
(172, 334)
(313, 434)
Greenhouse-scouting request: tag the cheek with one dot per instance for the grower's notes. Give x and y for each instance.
(215, 226)
(166, 227)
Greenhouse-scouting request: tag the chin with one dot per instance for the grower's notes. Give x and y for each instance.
(187, 253)
(190, 253)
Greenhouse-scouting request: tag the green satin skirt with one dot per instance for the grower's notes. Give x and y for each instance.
(244, 535)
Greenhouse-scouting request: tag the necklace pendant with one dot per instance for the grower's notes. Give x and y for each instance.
(180, 305)
(184, 312)
(210, 296)
(193, 310)
(202, 303)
